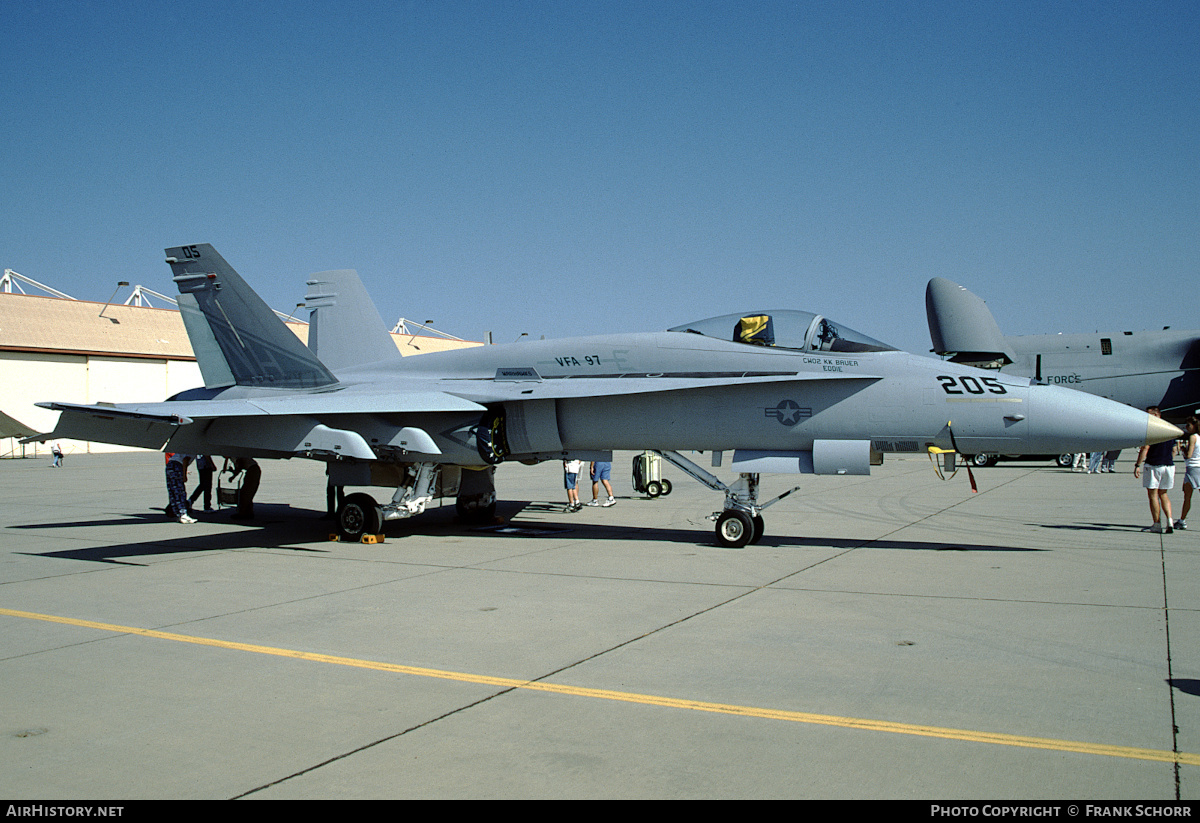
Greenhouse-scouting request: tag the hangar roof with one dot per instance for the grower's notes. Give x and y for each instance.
(32, 323)
(51, 324)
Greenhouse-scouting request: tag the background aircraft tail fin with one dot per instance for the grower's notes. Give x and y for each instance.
(345, 327)
(961, 324)
(236, 337)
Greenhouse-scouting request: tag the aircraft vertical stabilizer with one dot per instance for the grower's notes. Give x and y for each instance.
(961, 324)
(345, 327)
(244, 342)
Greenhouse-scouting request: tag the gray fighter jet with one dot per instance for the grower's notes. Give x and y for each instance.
(1140, 369)
(783, 391)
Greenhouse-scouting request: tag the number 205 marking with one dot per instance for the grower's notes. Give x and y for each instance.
(970, 385)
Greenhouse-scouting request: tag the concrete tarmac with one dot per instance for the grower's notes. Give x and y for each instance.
(891, 637)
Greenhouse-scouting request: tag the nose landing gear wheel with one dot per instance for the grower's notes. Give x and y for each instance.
(734, 529)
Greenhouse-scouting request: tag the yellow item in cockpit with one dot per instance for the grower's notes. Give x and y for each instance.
(757, 330)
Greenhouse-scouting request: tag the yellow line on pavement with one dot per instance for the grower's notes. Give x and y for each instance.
(994, 738)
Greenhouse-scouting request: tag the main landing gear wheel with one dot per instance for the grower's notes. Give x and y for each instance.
(759, 527)
(981, 461)
(735, 528)
(666, 487)
(654, 488)
(359, 515)
(475, 515)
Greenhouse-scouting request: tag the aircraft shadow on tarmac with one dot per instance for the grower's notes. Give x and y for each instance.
(1186, 685)
(1092, 527)
(274, 527)
(280, 526)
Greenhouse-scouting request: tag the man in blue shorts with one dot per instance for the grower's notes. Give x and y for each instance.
(601, 471)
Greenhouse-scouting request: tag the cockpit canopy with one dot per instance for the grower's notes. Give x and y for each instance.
(786, 329)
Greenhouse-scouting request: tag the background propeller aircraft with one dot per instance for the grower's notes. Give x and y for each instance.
(784, 391)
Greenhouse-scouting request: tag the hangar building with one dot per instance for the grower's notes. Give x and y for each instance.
(76, 351)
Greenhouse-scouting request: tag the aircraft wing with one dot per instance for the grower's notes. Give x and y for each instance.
(297, 428)
(181, 412)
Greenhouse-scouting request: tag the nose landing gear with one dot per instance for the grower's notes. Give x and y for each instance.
(741, 522)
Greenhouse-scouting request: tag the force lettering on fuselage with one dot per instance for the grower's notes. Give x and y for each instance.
(1063, 379)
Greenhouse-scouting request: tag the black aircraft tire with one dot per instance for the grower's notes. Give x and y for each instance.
(760, 527)
(666, 487)
(654, 488)
(734, 529)
(475, 516)
(359, 514)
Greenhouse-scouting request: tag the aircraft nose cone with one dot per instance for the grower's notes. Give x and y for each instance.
(1158, 430)
(1064, 420)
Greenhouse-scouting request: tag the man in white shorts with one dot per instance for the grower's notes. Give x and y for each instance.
(1158, 479)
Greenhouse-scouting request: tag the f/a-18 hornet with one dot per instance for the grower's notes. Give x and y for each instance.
(783, 391)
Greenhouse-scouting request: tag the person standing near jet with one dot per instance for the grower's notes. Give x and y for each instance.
(334, 495)
(601, 472)
(176, 476)
(1159, 477)
(253, 474)
(1191, 468)
(571, 481)
(206, 468)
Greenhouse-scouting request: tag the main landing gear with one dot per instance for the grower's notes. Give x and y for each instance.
(741, 522)
(474, 491)
(358, 515)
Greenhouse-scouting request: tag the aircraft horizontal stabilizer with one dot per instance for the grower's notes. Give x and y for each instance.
(11, 427)
(112, 425)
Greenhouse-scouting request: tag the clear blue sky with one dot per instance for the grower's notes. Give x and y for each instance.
(582, 167)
